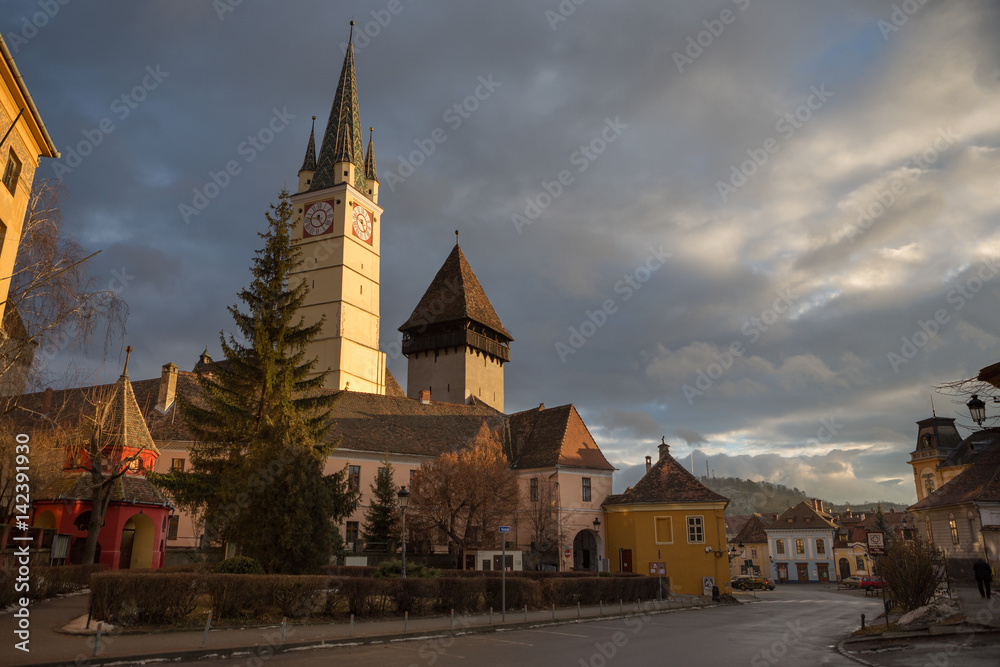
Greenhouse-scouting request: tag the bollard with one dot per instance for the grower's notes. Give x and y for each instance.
(208, 624)
(284, 625)
(621, 606)
(578, 610)
(406, 620)
(526, 612)
(491, 615)
(352, 625)
(452, 619)
(97, 641)
(602, 607)
(90, 611)
(862, 621)
(553, 612)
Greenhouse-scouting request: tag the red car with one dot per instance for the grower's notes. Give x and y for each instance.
(871, 584)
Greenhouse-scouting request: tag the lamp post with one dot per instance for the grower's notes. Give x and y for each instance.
(597, 555)
(404, 500)
(977, 409)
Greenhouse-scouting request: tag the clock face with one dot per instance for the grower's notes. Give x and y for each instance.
(363, 224)
(318, 219)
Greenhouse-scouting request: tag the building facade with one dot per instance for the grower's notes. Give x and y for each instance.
(801, 544)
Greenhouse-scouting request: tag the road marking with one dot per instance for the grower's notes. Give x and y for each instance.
(508, 641)
(564, 634)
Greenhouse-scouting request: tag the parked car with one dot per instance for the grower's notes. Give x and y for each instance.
(745, 583)
(852, 581)
(871, 584)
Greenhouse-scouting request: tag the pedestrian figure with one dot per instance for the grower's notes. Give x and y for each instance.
(983, 577)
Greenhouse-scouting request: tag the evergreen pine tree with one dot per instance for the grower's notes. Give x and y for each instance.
(382, 521)
(261, 424)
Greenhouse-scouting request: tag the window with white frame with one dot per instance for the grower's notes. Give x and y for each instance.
(696, 529)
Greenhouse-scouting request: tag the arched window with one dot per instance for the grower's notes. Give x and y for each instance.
(953, 526)
(930, 530)
(82, 521)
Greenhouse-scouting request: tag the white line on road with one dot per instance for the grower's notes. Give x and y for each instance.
(564, 634)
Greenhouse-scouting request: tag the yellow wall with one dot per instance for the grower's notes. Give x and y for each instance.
(643, 529)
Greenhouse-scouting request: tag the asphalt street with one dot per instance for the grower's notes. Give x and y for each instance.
(793, 625)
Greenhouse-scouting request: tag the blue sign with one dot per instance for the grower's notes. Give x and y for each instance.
(504, 529)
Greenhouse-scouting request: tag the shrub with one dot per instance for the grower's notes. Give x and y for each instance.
(908, 569)
(298, 596)
(464, 595)
(349, 571)
(131, 598)
(238, 565)
(394, 568)
(521, 592)
(241, 595)
(415, 596)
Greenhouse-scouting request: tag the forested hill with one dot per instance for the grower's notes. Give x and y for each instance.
(747, 496)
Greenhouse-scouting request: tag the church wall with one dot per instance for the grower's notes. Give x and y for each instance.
(443, 373)
(483, 378)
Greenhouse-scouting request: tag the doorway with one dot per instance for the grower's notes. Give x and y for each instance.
(823, 572)
(845, 569)
(802, 569)
(625, 555)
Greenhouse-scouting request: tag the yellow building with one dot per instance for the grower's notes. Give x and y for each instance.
(23, 140)
(669, 521)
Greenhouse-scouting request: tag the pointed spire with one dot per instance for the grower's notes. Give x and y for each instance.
(128, 353)
(342, 140)
(370, 157)
(309, 163)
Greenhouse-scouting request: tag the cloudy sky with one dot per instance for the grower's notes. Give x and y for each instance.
(718, 221)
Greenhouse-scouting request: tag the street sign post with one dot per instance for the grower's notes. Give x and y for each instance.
(876, 544)
(504, 530)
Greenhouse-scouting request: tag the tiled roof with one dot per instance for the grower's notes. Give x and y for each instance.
(127, 488)
(309, 162)
(667, 482)
(802, 517)
(546, 437)
(392, 387)
(342, 139)
(370, 172)
(734, 524)
(753, 531)
(454, 295)
(977, 443)
(978, 483)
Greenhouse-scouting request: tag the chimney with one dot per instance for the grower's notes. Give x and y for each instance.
(168, 387)
(649, 463)
(664, 448)
(425, 396)
(541, 406)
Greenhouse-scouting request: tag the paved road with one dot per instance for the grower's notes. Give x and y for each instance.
(793, 625)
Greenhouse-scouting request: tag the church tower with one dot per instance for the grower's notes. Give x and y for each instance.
(337, 228)
(454, 342)
(937, 438)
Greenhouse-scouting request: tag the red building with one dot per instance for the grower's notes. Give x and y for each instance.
(135, 525)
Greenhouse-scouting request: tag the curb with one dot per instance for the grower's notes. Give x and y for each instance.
(267, 650)
(932, 632)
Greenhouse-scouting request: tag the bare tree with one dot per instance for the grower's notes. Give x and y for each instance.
(53, 305)
(540, 509)
(465, 495)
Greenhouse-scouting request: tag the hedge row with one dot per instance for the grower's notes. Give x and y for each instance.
(45, 582)
(148, 598)
(368, 571)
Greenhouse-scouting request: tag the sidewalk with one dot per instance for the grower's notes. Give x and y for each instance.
(978, 610)
(51, 646)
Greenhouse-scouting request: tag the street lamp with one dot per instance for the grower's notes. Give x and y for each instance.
(597, 529)
(977, 409)
(404, 500)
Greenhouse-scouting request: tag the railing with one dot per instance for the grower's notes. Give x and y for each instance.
(457, 339)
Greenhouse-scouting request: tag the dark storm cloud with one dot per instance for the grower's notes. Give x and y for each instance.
(810, 380)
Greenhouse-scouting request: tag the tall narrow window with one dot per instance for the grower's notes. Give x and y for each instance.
(696, 529)
(820, 546)
(352, 531)
(929, 529)
(800, 546)
(12, 171)
(779, 547)
(586, 489)
(953, 526)
(353, 479)
(172, 529)
(533, 489)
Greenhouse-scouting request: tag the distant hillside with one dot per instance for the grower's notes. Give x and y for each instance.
(747, 497)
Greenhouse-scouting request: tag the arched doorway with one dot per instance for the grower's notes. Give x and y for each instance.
(137, 543)
(845, 568)
(45, 519)
(586, 550)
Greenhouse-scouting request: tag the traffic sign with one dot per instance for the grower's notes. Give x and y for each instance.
(876, 544)
(567, 552)
(504, 529)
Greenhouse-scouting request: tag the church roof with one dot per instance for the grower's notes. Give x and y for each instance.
(342, 139)
(972, 447)
(666, 482)
(980, 482)
(455, 294)
(309, 162)
(547, 437)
